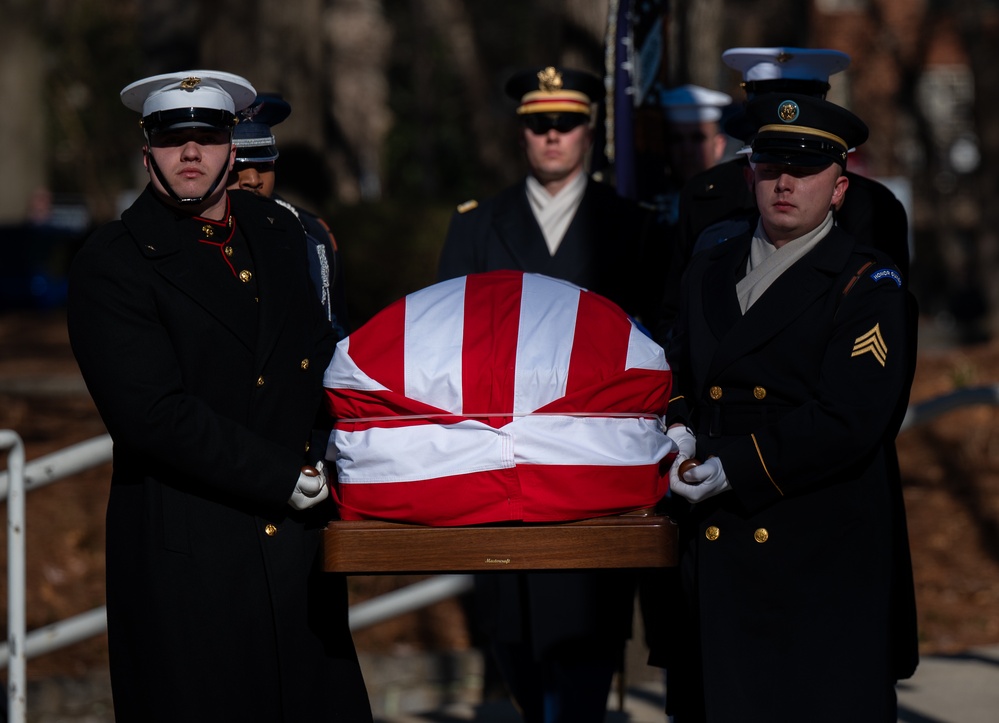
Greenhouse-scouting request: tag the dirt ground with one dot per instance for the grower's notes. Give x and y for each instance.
(950, 469)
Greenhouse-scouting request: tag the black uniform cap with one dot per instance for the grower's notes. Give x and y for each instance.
(554, 90)
(253, 137)
(801, 130)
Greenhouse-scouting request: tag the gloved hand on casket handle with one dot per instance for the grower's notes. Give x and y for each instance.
(686, 445)
(701, 481)
(312, 487)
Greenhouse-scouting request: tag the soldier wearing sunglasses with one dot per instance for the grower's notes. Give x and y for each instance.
(557, 638)
(557, 221)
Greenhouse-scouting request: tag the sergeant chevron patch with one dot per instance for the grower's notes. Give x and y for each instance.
(872, 342)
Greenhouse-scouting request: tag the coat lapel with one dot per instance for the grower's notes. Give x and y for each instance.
(157, 232)
(786, 299)
(518, 230)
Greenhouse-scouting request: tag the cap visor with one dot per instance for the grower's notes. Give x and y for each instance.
(792, 158)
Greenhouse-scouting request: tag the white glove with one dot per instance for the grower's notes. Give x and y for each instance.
(700, 482)
(686, 445)
(311, 489)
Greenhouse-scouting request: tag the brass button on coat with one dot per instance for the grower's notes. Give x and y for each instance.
(260, 381)
(759, 392)
(304, 364)
(761, 535)
(715, 393)
(207, 230)
(712, 533)
(228, 250)
(270, 530)
(245, 276)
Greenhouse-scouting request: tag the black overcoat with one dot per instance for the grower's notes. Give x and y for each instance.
(600, 250)
(718, 203)
(798, 579)
(556, 612)
(217, 608)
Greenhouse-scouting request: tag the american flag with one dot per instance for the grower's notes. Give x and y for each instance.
(497, 397)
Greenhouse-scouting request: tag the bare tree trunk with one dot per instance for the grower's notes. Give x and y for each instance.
(450, 21)
(357, 75)
(586, 25)
(22, 76)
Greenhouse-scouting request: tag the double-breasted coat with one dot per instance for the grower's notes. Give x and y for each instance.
(562, 613)
(797, 581)
(600, 251)
(719, 203)
(203, 346)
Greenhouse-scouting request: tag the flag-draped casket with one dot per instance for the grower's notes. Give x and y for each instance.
(498, 397)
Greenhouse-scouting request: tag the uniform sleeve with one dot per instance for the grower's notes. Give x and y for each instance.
(864, 377)
(458, 256)
(134, 376)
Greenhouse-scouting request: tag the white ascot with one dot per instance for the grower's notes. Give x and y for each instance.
(555, 213)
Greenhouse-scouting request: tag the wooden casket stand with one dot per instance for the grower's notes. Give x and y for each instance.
(638, 539)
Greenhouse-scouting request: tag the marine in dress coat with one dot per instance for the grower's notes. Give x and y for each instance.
(598, 252)
(217, 609)
(801, 571)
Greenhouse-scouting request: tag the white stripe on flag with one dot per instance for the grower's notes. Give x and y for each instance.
(542, 355)
(643, 353)
(343, 372)
(413, 453)
(435, 323)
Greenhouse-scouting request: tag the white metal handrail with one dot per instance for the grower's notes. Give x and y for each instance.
(17, 701)
(20, 478)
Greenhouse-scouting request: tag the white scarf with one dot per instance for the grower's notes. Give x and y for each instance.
(767, 262)
(555, 213)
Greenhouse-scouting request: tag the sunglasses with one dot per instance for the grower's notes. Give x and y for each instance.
(540, 123)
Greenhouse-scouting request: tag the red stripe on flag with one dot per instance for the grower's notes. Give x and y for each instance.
(554, 493)
(489, 353)
(468, 499)
(379, 349)
(600, 343)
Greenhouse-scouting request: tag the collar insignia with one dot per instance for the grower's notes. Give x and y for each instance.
(872, 342)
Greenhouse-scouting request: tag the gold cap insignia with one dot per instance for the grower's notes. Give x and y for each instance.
(788, 111)
(190, 83)
(549, 80)
(871, 342)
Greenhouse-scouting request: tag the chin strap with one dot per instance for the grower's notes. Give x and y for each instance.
(186, 201)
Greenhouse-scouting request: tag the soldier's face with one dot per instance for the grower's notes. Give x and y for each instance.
(554, 155)
(794, 200)
(693, 147)
(190, 159)
(256, 178)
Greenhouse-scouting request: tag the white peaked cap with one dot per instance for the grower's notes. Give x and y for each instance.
(795, 63)
(209, 89)
(693, 104)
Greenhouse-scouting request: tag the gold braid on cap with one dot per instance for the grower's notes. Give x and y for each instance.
(804, 130)
(551, 97)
